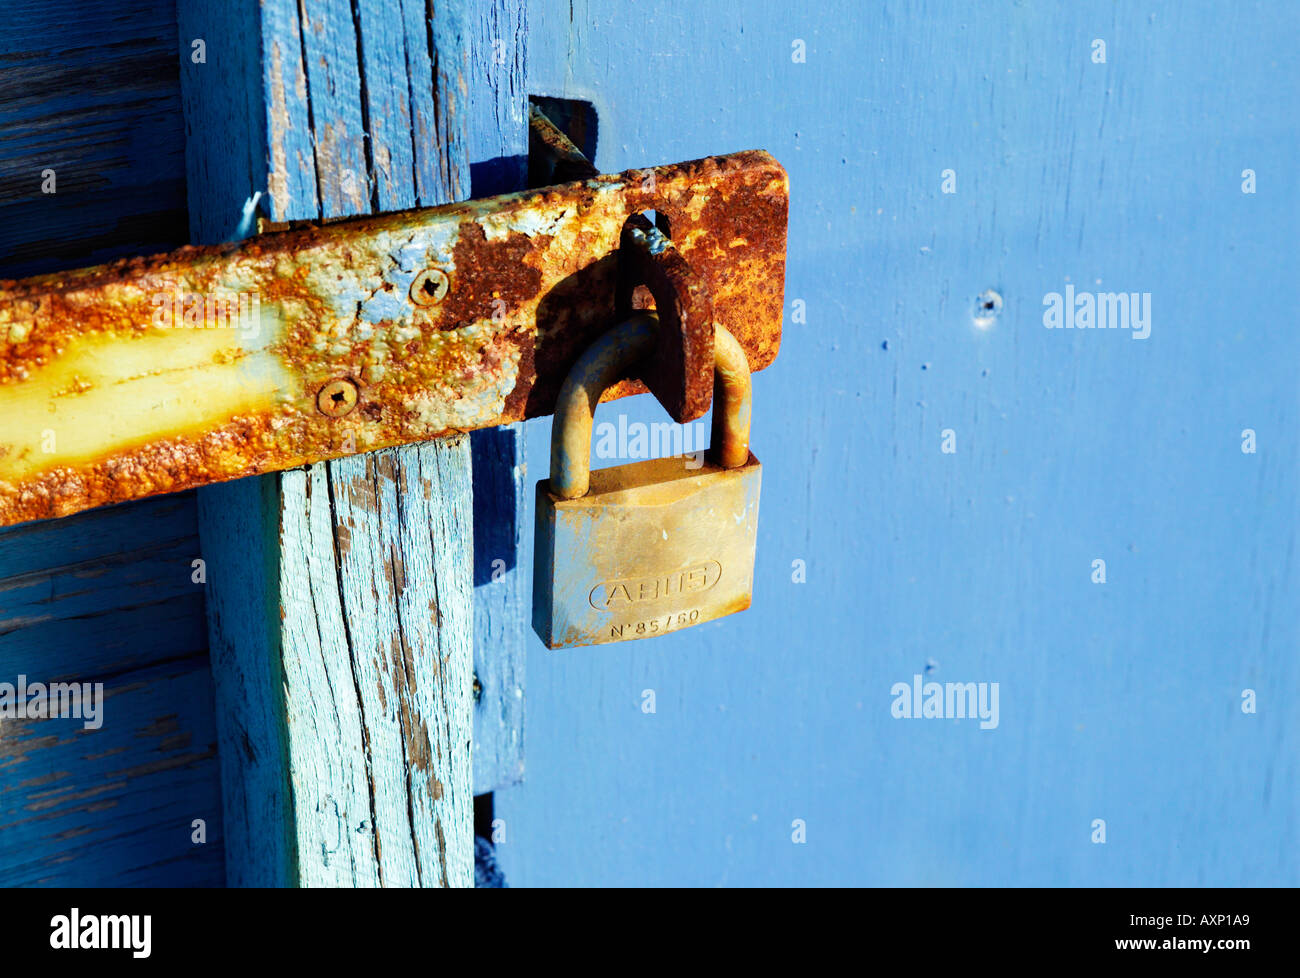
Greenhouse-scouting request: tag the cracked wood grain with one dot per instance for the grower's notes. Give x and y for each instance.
(340, 595)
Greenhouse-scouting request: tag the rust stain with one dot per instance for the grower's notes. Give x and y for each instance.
(442, 852)
(104, 402)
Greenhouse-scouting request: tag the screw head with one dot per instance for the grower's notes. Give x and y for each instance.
(337, 398)
(430, 287)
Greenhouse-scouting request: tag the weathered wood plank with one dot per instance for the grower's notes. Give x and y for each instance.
(400, 520)
(89, 89)
(241, 545)
(340, 596)
(337, 765)
(109, 598)
(116, 806)
(129, 570)
(331, 41)
(502, 582)
(498, 153)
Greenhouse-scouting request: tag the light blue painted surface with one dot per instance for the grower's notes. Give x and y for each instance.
(1117, 701)
(340, 597)
(496, 146)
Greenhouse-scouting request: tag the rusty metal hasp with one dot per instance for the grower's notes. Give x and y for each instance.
(158, 374)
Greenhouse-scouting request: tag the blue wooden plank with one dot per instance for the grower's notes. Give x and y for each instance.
(330, 54)
(243, 614)
(291, 184)
(386, 102)
(340, 605)
(881, 557)
(498, 84)
(101, 593)
(224, 153)
(440, 118)
(117, 805)
(497, 140)
(89, 90)
(109, 597)
(501, 595)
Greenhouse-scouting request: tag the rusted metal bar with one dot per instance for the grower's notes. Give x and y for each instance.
(159, 374)
(651, 275)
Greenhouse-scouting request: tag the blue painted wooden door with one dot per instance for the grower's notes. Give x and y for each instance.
(945, 476)
(1097, 523)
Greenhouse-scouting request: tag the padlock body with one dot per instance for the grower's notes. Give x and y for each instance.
(652, 548)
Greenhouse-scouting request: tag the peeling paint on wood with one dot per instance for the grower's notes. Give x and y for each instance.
(497, 146)
(339, 600)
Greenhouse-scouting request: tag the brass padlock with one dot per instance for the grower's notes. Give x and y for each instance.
(652, 547)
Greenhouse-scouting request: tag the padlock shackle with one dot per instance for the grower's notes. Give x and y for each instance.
(733, 401)
(608, 361)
